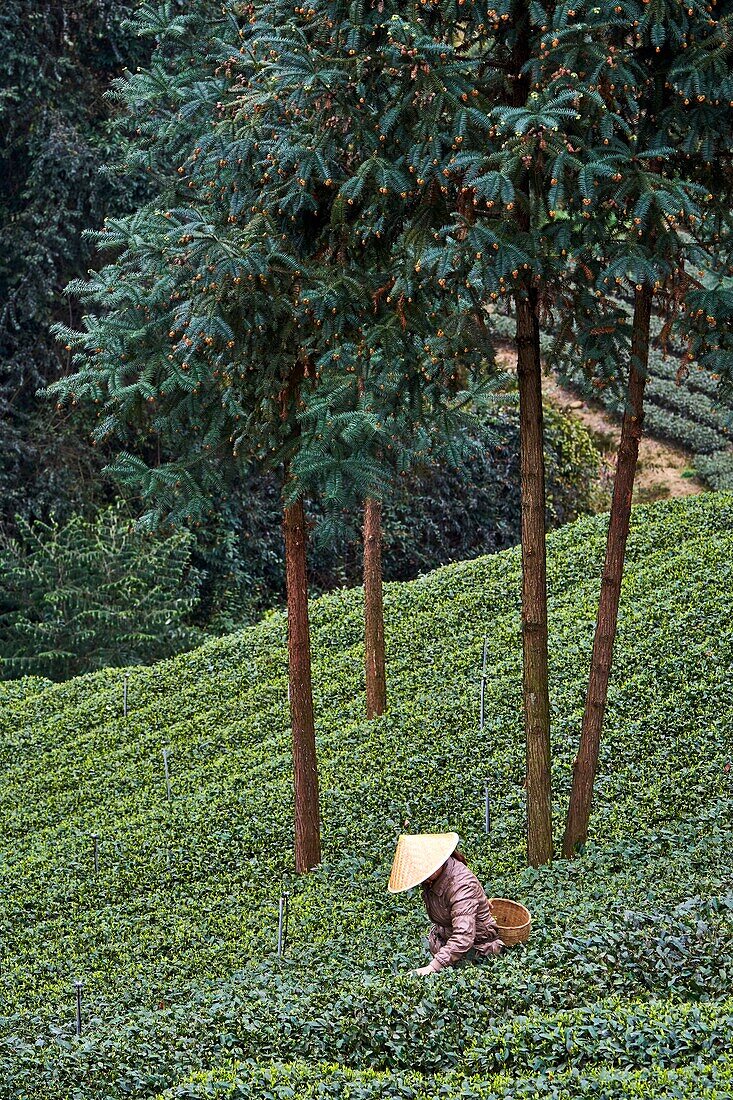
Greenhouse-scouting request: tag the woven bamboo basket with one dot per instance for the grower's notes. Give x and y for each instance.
(513, 920)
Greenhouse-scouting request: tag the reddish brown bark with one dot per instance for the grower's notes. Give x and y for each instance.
(536, 702)
(586, 762)
(305, 766)
(374, 660)
(534, 583)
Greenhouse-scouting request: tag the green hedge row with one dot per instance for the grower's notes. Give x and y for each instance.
(716, 469)
(683, 431)
(697, 380)
(687, 403)
(706, 1081)
(688, 414)
(476, 1024)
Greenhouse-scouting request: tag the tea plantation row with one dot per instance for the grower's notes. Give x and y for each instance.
(714, 1082)
(625, 983)
(688, 414)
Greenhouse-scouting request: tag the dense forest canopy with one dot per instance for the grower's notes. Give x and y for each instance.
(56, 137)
(61, 143)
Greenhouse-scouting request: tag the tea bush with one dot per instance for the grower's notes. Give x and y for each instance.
(680, 429)
(716, 469)
(690, 404)
(696, 380)
(712, 1081)
(624, 986)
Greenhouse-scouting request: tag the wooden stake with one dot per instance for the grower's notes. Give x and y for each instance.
(167, 774)
(483, 686)
(78, 988)
(282, 924)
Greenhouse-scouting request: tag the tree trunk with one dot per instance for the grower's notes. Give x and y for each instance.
(534, 583)
(376, 680)
(305, 765)
(536, 701)
(586, 762)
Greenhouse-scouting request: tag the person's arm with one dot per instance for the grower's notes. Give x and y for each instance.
(464, 907)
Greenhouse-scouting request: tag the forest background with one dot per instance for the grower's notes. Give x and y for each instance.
(83, 589)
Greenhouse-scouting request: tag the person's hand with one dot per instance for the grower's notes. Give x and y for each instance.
(423, 971)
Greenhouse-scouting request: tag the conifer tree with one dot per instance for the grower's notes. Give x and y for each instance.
(453, 79)
(664, 70)
(527, 137)
(274, 272)
(351, 184)
(88, 594)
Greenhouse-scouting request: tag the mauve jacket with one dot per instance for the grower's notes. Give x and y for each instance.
(461, 916)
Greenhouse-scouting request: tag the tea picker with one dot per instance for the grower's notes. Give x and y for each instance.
(464, 920)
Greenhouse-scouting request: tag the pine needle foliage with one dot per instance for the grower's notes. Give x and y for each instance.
(657, 201)
(87, 594)
(264, 308)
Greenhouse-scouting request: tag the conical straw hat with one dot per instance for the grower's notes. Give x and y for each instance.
(417, 857)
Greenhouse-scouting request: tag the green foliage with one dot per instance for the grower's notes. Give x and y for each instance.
(85, 594)
(716, 469)
(682, 429)
(57, 60)
(693, 378)
(710, 1080)
(14, 690)
(572, 465)
(624, 986)
(657, 215)
(262, 309)
(686, 403)
(683, 403)
(441, 513)
(452, 514)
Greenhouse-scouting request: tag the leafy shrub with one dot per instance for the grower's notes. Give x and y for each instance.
(694, 406)
(680, 429)
(572, 467)
(706, 1081)
(15, 690)
(716, 469)
(624, 986)
(86, 594)
(694, 380)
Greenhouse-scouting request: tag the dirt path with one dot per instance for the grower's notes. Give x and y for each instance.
(663, 469)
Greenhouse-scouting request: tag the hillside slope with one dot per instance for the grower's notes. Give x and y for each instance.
(175, 936)
(683, 407)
